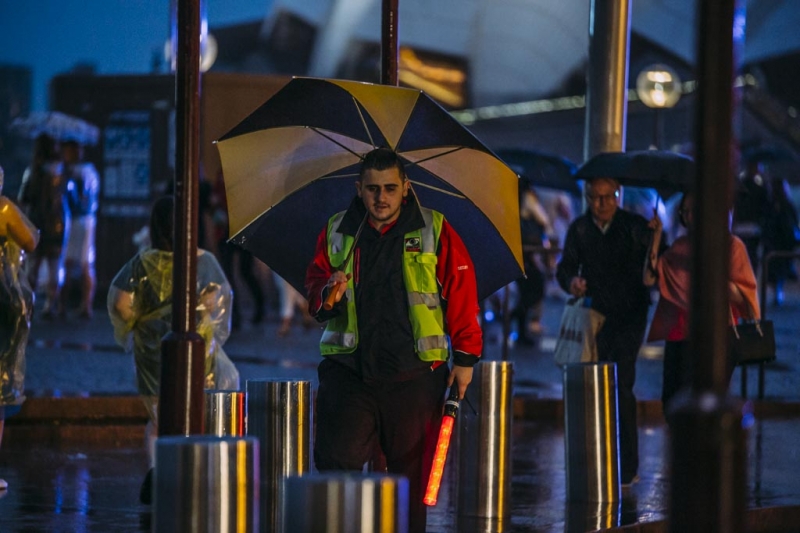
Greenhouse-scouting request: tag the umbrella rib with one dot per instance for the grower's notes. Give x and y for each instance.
(334, 141)
(437, 189)
(437, 155)
(363, 122)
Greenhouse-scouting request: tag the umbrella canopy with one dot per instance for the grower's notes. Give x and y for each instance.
(666, 172)
(293, 162)
(768, 154)
(781, 162)
(543, 170)
(59, 126)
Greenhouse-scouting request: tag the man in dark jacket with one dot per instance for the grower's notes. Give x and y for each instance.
(405, 301)
(604, 257)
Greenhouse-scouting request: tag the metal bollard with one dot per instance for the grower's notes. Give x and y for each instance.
(591, 432)
(346, 502)
(206, 484)
(279, 414)
(484, 444)
(225, 413)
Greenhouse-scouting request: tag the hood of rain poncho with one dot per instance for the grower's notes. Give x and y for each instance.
(140, 308)
(16, 306)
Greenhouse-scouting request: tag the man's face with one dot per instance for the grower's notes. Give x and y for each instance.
(603, 199)
(382, 192)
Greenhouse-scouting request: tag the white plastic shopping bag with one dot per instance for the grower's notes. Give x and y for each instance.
(578, 332)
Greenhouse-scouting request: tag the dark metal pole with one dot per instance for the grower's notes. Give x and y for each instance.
(389, 38)
(182, 350)
(607, 77)
(709, 449)
(714, 182)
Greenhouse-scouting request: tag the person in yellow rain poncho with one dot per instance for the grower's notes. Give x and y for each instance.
(17, 236)
(140, 307)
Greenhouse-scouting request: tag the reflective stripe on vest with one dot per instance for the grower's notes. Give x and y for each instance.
(419, 275)
(339, 338)
(341, 332)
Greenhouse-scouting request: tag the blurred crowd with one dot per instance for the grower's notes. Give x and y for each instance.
(764, 216)
(60, 195)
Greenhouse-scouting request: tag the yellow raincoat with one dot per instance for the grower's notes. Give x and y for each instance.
(140, 307)
(17, 235)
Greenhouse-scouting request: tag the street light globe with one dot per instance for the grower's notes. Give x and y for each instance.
(658, 86)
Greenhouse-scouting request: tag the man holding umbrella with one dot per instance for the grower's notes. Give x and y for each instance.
(405, 296)
(604, 256)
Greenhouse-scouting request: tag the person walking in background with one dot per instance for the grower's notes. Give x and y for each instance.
(231, 256)
(781, 234)
(18, 236)
(751, 209)
(534, 229)
(291, 301)
(389, 336)
(140, 308)
(603, 257)
(83, 188)
(43, 197)
(671, 272)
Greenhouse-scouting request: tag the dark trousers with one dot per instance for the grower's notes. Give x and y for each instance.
(619, 341)
(677, 371)
(227, 252)
(403, 417)
(678, 362)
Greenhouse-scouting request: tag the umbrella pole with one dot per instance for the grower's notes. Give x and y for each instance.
(389, 48)
(183, 350)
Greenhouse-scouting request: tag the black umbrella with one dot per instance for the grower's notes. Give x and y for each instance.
(666, 172)
(543, 170)
(782, 163)
(768, 154)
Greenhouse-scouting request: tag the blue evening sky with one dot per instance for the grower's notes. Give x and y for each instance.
(117, 36)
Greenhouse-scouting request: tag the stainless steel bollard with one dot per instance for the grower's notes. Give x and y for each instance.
(591, 432)
(279, 414)
(206, 484)
(484, 444)
(346, 502)
(225, 413)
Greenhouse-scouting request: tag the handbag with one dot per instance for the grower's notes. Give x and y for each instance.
(751, 342)
(577, 332)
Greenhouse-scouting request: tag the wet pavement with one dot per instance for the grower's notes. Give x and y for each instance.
(95, 489)
(90, 486)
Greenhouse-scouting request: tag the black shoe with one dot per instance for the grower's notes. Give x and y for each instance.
(146, 492)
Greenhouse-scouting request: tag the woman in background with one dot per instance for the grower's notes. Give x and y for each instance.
(140, 308)
(43, 197)
(671, 272)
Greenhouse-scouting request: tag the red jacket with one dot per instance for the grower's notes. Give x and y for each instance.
(455, 275)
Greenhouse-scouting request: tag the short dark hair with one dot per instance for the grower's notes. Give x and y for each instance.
(382, 159)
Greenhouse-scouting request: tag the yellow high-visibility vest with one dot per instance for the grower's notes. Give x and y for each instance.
(422, 289)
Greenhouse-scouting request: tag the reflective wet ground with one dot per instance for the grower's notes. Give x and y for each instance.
(92, 488)
(95, 489)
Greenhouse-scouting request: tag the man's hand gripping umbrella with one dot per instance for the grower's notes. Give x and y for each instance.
(338, 281)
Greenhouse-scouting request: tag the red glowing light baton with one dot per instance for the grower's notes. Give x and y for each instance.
(446, 430)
